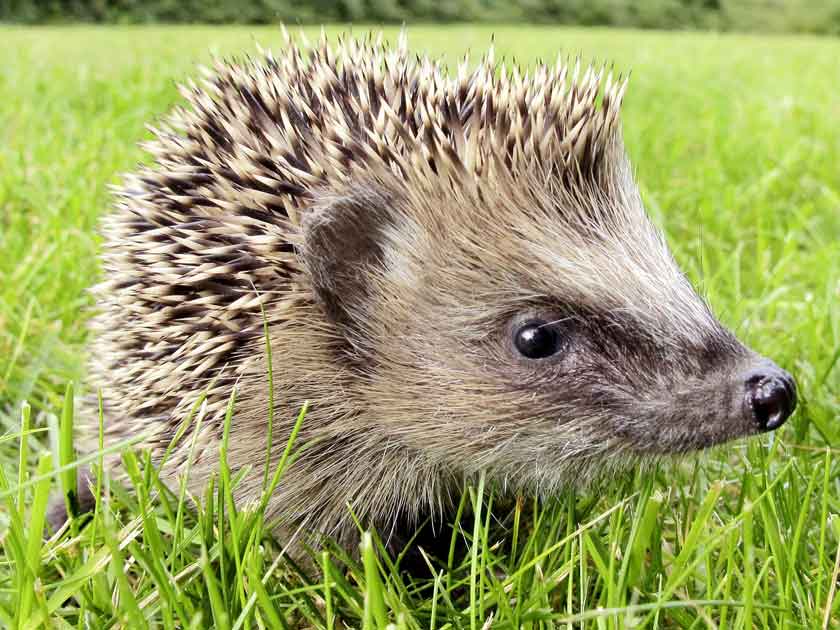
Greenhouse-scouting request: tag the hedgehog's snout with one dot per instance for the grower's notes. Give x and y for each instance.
(770, 396)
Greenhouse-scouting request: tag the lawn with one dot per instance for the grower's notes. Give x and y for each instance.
(736, 147)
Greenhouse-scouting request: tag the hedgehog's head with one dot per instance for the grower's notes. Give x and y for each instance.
(508, 304)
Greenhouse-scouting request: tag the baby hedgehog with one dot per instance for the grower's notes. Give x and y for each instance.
(456, 272)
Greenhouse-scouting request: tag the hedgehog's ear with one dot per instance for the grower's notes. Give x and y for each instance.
(342, 242)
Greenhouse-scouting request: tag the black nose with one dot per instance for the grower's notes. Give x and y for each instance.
(771, 396)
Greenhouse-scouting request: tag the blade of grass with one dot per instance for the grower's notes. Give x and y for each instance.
(478, 499)
(327, 570)
(67, 456)
(375, 616)
(266, 606)
(23, 451)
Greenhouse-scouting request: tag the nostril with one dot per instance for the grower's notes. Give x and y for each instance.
(772, 397)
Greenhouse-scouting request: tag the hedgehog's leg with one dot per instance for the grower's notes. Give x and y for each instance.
(83, 503)
(406, 540)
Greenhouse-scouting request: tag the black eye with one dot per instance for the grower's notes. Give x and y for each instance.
(536, 340)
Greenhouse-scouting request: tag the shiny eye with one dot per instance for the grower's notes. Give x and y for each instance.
(536, 340)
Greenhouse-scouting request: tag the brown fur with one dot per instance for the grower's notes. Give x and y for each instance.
(396, 225)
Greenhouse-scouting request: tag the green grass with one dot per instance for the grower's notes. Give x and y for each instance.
(736, 145)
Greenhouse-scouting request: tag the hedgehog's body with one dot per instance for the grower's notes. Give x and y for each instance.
(457, 273)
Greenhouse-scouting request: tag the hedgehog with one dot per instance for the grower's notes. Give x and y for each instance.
(455, 271)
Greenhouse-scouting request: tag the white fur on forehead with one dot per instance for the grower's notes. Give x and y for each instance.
(325, 112)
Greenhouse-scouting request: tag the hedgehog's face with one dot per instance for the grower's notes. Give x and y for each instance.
(501, 333)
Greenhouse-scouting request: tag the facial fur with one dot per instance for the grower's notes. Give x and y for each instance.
(643, 367)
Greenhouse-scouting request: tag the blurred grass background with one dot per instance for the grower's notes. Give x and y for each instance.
(798, 16)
